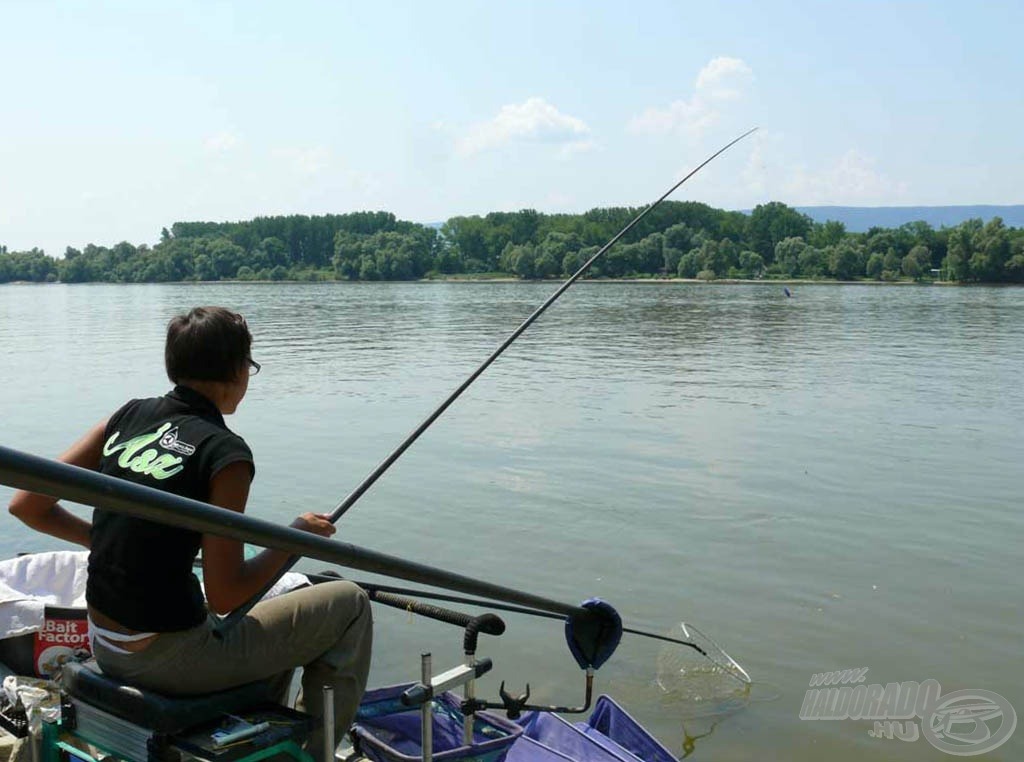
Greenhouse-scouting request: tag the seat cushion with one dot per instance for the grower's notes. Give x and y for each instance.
(160, 713)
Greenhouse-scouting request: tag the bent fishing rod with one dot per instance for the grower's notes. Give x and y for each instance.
(235, 616)
(385, 464)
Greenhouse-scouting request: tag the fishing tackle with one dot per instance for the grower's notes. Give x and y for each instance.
(235, 616)
(593, 628)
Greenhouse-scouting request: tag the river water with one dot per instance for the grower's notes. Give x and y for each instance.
(820, 482)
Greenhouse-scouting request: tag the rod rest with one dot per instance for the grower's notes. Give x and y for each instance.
(419, 694)
(160, 713)
(489, 624)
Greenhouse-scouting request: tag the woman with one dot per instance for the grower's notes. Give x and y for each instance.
(148, 619)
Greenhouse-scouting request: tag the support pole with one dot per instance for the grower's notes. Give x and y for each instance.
(330, 743)
(426, 712)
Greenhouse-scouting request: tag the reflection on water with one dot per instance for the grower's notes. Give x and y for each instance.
(820, 482)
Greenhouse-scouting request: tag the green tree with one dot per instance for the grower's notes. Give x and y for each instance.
(546, 265)
(787, 255)
(911, 267)
(829, 233)
(883, 241)
(574, 260)
(814, 262)
(960, 249)
(991, 247)
(717, 257)
(550, 254)
(689, 264)
(348, 254)
(447, 260)
(524, 262)
(774, 222)
(922, 256)
(679, 237)
(845, 261)
(920, 233)
(74, 269)
(670, 257)
(203, 268)
(273, 252)
(650, 255)
(523, 226)
(891, 261)
(468, 237)
(1015, 264)
(875, 266)
(751, 263)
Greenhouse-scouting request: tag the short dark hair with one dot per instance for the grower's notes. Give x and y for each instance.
(207, 344)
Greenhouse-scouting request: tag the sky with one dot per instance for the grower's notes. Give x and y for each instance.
(120, 118)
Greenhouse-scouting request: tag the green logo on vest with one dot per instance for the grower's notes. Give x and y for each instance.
(135, 457)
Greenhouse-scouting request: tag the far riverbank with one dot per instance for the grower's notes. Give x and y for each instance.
(507, 279)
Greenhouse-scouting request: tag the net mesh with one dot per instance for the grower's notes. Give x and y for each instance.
(708, 682)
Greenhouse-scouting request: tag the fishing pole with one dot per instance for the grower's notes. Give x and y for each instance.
(342, 507)
(399, 597)
(707, 647)
(385, 464)
(593, 628)
(590, 627)
(374, 588)
(63, 481)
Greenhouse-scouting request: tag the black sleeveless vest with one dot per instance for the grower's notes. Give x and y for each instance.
(140, 572)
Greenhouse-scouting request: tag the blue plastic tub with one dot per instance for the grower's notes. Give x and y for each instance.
(609, 735)
(387, 731)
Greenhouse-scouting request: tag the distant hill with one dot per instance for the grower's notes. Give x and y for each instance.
(858, 219)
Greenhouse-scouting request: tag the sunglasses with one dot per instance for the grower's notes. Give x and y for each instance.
(254, 367)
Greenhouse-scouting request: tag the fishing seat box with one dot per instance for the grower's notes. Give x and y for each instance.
(140, 725)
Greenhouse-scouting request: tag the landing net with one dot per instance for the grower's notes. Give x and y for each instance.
(709, 681)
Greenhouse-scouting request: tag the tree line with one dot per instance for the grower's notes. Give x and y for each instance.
(678, 239)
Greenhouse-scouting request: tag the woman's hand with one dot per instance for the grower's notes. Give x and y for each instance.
(315, 523)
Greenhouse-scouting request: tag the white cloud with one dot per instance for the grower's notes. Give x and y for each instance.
(535, 121)
(851, 180)
(222, 142)
(760, 173)
(692, 117)
(722, 80)
(570, 149)
(306, 161)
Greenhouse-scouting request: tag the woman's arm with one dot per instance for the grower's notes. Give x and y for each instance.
(43, 513)
(231, 579)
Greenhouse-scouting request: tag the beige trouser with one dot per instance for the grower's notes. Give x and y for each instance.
(327, 629)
